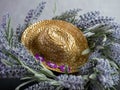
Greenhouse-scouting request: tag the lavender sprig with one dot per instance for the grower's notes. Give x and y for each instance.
(114, 52)
(108, 76)
(14, 71)
(4, 21)
(6, 32)
(91, 19)
(88, 67)
(38, 10)
(69, 16)
(42, 86)
(71, 82)
(32, 15)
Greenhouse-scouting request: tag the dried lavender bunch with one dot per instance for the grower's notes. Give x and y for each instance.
(90, 19)
(32, 16)
(101, 73)
(42, 86)
(21, 53)
(115, 34)
(72, 82)
(88, 67)
(107, 75)
(69, 16)
(8, 67)
(114, 53)
(14, 71)
(6, 31)
(8, 70)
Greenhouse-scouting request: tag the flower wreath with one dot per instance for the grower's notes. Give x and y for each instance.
(101, 72)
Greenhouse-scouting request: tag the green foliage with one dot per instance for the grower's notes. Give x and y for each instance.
(9, 33)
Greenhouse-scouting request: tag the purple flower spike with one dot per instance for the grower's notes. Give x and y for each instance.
(52, 65)
(38, 57)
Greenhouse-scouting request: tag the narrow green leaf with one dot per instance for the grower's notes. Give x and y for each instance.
(55, 7)
(7, 63)
(55, 83)
(100, 47)
(85, 77)
(66, 69)
(93, 76)
(113, 88)
(40, 77)
(60, 88)
(11, 33)
(24, 78)
(86, 51)
(114, 64)
(47, 72)
(23, 84)
(6, 37)
(89, 34)
(72, 19)
(6, 33)
(105, 38)
(10, 37)
(96, 83)
(14, 57)
(8, 26)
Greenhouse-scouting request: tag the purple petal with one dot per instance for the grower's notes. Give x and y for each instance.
(38, 57)
(62, 68)
(52, 65)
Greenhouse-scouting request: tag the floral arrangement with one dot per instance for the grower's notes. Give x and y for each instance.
(101, 72)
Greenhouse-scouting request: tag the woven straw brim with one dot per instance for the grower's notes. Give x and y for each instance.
(30, 36)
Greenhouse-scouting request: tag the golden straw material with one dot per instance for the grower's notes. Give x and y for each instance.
(60, 42)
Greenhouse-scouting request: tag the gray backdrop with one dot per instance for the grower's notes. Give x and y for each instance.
(19, 8)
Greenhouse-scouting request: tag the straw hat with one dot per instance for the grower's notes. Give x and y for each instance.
(59, 42)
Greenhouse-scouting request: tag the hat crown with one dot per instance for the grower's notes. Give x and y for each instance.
(57, 43)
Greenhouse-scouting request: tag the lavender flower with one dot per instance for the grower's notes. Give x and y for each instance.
(38, 10)
(92, 18)
(68, 16)
(3, 29)
(71, 82)
(4, 21)
(32, 15)
(89, 15)
(41, 86)
(107, 73)
(116, 34)
(88, 67)
(14, 71)
(114, 52)
(23, 54)
(29, 16)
